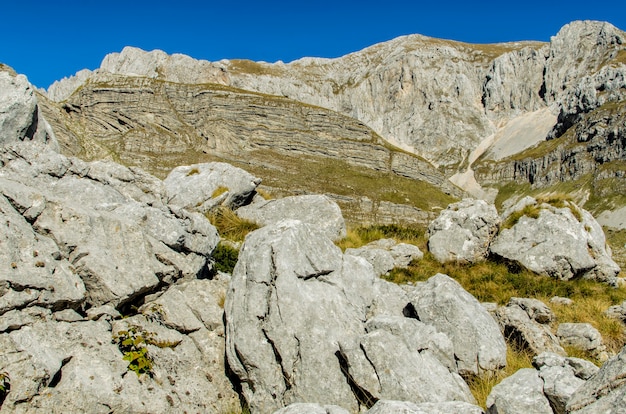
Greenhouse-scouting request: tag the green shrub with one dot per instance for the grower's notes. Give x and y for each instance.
(132, 343)
(225, 257)
(5, 386)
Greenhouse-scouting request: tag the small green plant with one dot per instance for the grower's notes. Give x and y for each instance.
(225, 257)
(5, 386)
(133, 343)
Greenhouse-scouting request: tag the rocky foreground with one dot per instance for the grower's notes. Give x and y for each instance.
(109, 301)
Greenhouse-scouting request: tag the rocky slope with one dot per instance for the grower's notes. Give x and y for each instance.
(109, 301)
(461, 107)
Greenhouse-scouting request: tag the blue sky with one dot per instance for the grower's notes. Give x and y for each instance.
(48, 40)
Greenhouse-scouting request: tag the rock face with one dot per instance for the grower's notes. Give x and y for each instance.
(605, 391)
(20, 117)
(557, 239)
(463, 231)
(478, 343)
(203, 186)
(526, 323)
(296, 303)
(317, 210)
(79, 243)
(386, 254)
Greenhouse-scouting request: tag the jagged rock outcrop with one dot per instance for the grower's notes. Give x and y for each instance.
(478, 343)
(555, 238)
(296, 303)
(604, 392)
(20, 116)
(317, 210)
(525, 322)
(582, 336)
(81, 244)
(463, 231)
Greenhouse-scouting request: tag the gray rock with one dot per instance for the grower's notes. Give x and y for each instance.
(558, 243)
(67, 315)
(463, 231)
(386, 254)
(559, 383)
(518, 326)
(104, 310)
(582, 336)
(195, 186)
(311, 408)
(318, 210)
(583, 369)
(617, 312)
(557, 300)
(20, 117)
(478, 343)
(405, 407)
(380, 259)
(522, 392)
(536, 309)
(605, 392)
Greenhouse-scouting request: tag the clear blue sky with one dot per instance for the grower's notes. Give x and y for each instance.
(48, 40)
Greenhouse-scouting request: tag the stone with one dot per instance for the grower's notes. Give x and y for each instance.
(521, 392)
(518, 327)
(478, 343)
(291, 300)
(386, 254)
(604, 392)
(405, 407)
(582, 368)
(582, 336)
(196, 187)
(463, 231)
(557, 300)
(536, 309)
(617, 312)
(317, 210)
(311, 408)
(563, 242)
(20, 117)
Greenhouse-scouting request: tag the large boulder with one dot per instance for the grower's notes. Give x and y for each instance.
(561, 376)
(20, 117)
(318, 210)
(405, 407)
(582, 336)
(604, 392)
(526, 323)
(203, 186)
(478, 343)
(296, 304)
(555, 238)
(463, 231)
(522, 392)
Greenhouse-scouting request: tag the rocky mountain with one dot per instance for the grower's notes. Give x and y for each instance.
(461, 107)
(110, 300)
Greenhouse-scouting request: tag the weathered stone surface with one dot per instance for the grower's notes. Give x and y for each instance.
(562, 242)
(582, 336)
(296, 303)
(405, 407)
(605, 392)
(478, 343)
(20, 117)
(519, 326)
(317, 210)
(311, 408)
(583, 369)
(617, 312)
(386, 254)
(536, 309)
(203, 186)
(463, 231)
(522, 392)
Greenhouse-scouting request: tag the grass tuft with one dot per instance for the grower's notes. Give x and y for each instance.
(219, 191)
(229, 225)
